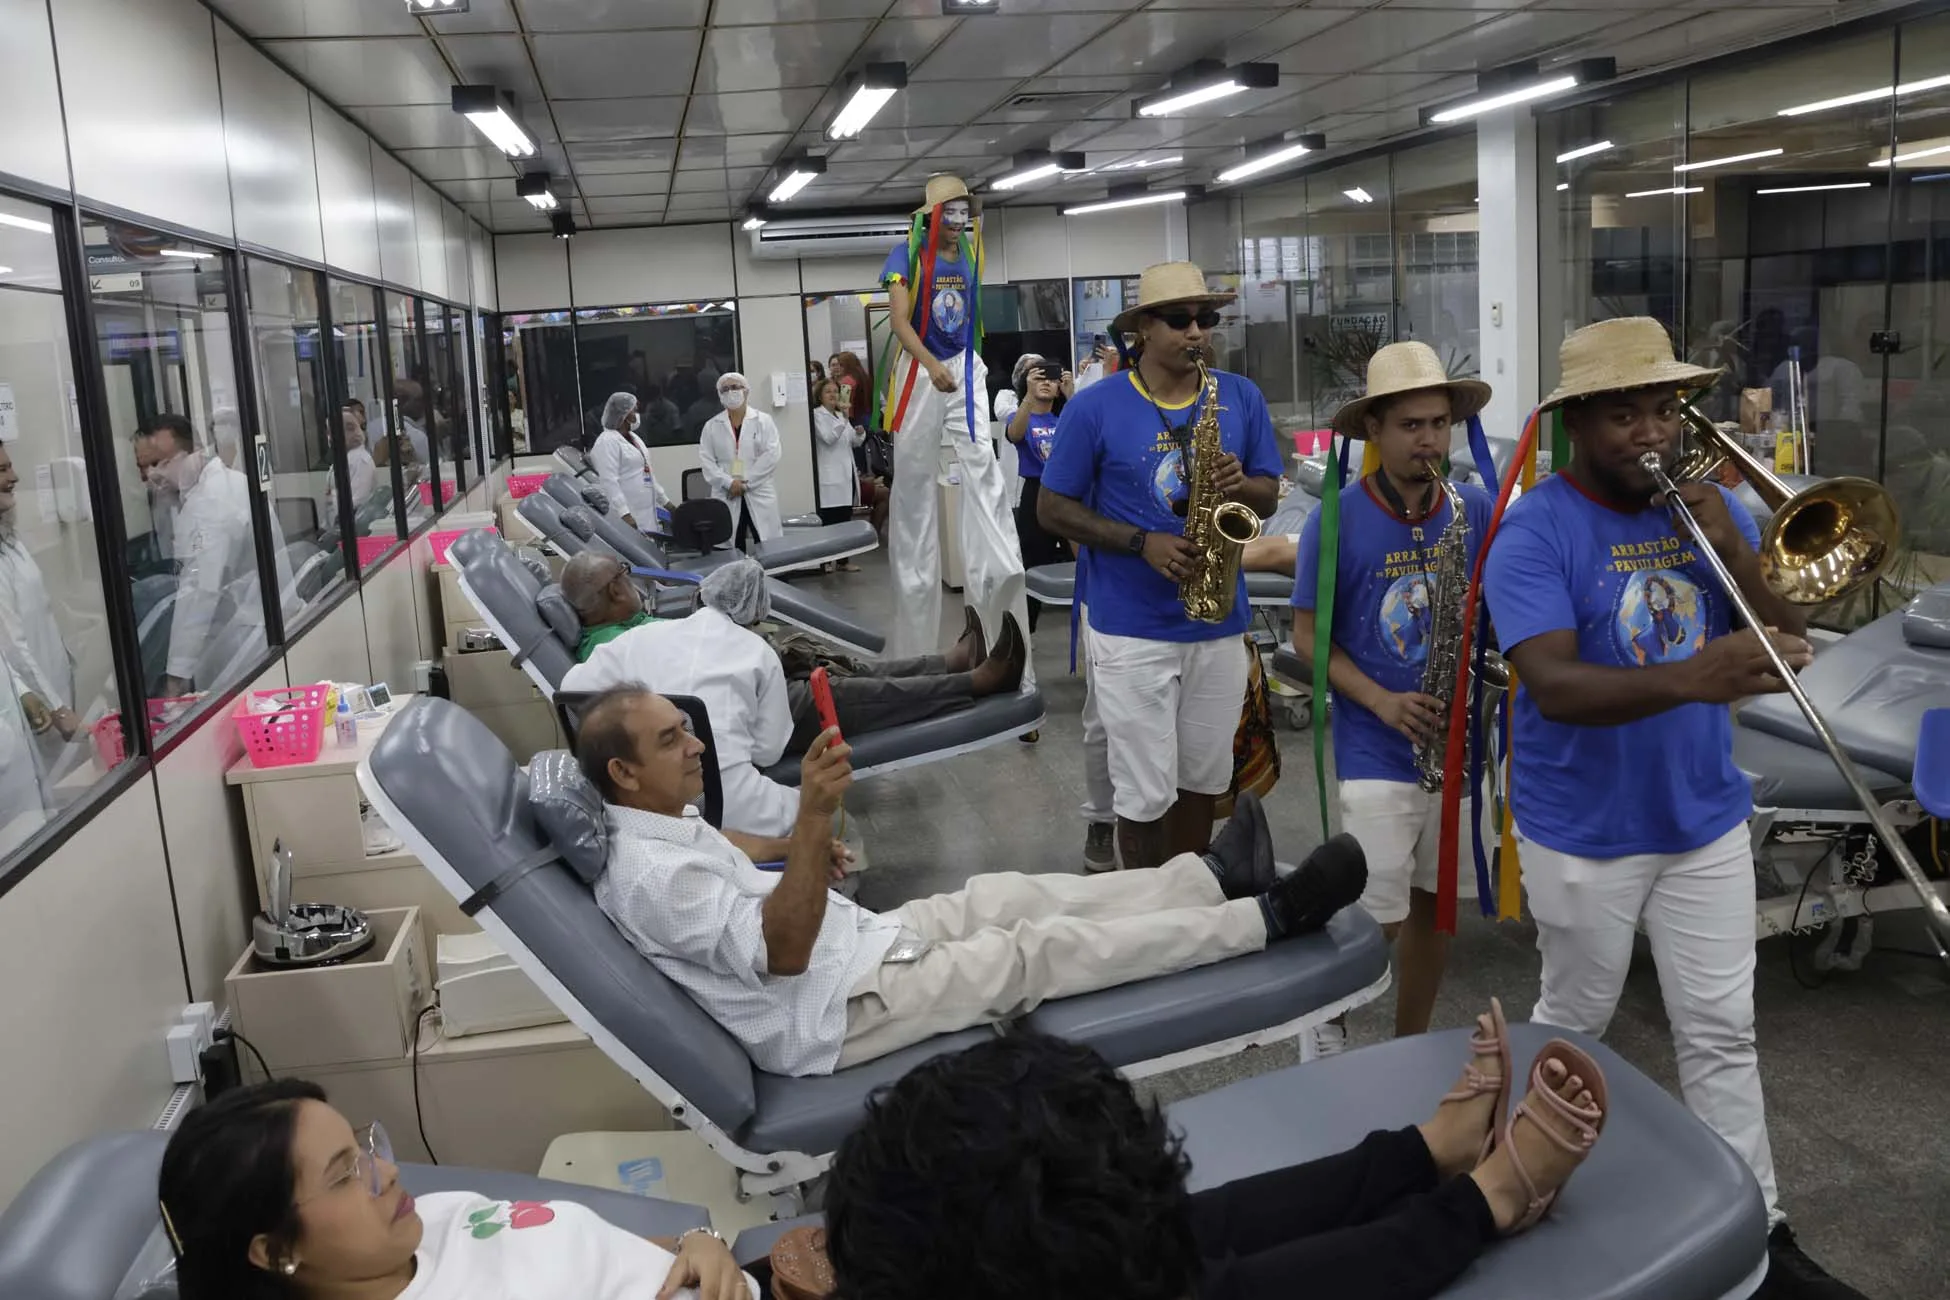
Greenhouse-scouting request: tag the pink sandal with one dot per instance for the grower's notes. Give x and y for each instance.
(1586, 1123)
(1475, 1083)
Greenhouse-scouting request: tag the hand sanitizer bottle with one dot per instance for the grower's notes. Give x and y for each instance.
(344, 725)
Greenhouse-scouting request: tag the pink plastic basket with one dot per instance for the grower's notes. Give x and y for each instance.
(1309, 442)
(522, 485)
(426, 492)
(441, 541)
(291, 732)
(371, 548)
(111, 747)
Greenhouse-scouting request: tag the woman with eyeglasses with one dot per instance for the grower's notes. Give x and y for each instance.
(267, 1193)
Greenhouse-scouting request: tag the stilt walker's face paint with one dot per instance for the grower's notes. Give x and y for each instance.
(955, 214)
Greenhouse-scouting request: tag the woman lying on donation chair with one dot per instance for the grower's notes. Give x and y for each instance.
(269, 1194)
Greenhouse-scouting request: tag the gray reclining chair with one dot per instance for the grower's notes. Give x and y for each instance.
(799, 548)
(468, 819)
(541, 513)
(86, 1226)
(1663, 1209)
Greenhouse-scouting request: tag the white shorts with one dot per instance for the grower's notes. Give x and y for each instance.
(1170, 710)
(1399, 825)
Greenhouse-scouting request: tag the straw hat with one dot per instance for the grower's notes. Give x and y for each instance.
(943, 188)
(1615, 356)
(1409, 368)
(1169, 284)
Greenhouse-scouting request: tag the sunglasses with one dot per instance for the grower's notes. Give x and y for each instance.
(373, 1147)
(1180, 319)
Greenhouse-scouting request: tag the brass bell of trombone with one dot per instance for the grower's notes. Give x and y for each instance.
(1823, 541)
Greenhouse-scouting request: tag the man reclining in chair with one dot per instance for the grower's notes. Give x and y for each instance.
(809, 982)
(760, 711)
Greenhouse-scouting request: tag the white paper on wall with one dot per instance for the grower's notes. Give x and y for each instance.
(9, 415)
(44, 491)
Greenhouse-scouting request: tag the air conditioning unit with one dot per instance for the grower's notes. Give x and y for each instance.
(838, 236)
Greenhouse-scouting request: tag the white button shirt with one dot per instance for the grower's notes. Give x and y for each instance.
(622, 466)
(737, 674)
(839, 479)
(213, 548)
(30, 639)
(693, 904)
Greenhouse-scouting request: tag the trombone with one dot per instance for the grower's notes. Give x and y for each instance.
(1823, 542)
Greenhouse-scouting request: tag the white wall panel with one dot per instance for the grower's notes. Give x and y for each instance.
(773, 334)
(1118, 243)
(333, 649)
(34, 144)
(532, 271)
(399, 244)
(760, 275)
(144, 126)
(392, 632)
(453, 229)
(345, 195)
(839, 274)
(666, 264)
(84, 1021)
(480, 252)
(430, 230)
(267, 136)
(1037, 246)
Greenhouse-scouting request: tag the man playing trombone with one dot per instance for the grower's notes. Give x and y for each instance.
(1627, 803)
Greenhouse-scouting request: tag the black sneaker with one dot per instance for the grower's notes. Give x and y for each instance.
(1241, 855)
(1100, 847)
(1791, 1275)
(1332, 877)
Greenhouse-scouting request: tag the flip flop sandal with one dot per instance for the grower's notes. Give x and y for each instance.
(1585, 1124)
(1475, 1082)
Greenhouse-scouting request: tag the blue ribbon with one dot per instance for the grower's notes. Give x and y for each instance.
(1479, 739)
(1479, 447)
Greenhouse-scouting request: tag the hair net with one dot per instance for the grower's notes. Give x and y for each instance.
(1019, 377)
(618, 406)
(732, 377)
(738, 591)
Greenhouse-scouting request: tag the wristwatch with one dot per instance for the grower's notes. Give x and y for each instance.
(705, 1232)
(1136, 545)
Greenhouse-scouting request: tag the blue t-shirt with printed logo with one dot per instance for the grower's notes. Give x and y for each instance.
(1636, 594)
(1383, 584)
(951, 315)
(1122, 456)
(1032, 453)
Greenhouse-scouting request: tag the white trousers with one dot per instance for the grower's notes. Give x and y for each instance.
(1170, 710)
(1399, 825)
(1099, 797)
(1698, 912)
(1008, 942)
(991, 556)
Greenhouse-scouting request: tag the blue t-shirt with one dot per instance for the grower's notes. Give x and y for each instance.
(1121, 456)
(1033, 451)
(1382, 612)
(951, 319)
(1637, 595)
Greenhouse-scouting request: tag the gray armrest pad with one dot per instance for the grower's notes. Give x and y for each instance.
(815, 1112)
(1790, 775)
(996, 715)
(803, 547)
(821, 617)
(507, 592)
(1926, 620)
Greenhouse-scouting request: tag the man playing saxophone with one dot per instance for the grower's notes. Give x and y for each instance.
(1402, 568)
(1168, 687)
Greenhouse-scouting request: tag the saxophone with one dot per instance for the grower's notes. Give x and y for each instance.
(1448, 601)
(1217, 529)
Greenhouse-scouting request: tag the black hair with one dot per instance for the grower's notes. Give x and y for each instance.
(601, 736)
(227, 1177)
(1022, 1167)
(176, 426)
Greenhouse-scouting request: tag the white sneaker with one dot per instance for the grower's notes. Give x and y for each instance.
(1325, 1040)
(379, 836)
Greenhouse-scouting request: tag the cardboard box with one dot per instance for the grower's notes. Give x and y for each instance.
(365, 1009)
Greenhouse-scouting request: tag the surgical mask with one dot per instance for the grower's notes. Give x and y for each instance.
(733, 398)
(955, 215)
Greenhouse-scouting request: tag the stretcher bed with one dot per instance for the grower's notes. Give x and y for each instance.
(86, 1226)
(455, 795)
(794, 550)
(1663, 1209)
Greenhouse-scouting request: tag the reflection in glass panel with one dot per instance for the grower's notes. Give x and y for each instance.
(669, 356)
(1029, 316)
(362, 420)
(1350, 261)
(163, 330)
(1436, 236)
(438, 392)
(406, 442)
(544, 403)
(290, 361)
(1276, 261)
(58, 701)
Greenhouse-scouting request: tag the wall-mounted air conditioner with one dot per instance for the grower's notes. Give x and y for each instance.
(834, 236)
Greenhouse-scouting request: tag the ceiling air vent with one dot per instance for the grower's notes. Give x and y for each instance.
(1055, 100)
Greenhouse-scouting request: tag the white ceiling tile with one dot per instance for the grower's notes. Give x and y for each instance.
(761, 58)
(877, 144)
(457, 164)
(1038, 105)
(1501, 40)
(470, 191)
(264, 19)
(481, 16)
(432, 126)
(518, 215)
(1158, 44)
(729, 151)
(355, 73)
(1371, 38)
(759, 13)
(713, 184)
(581, 120)
(751, 112)
(908, 40)
(614, 64)
(928, 105)
(860, 173)
(1012, 46)
(718, 209)
(611, 15)
(1283, 33)
(498, 61)
(611, 157)
(639, 183)
(1220, 4)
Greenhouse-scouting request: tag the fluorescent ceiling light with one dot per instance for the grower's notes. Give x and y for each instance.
(1673, 189)
(184, 252)
(1191, 98)
(1202, 85)
(1490, 103)
(25, 223)
(1014, 180)
(1731, 158)
(1866, 96)
(1562, 186)
(1880, 162)
(544, 202)
(1137, 164)
(1814, 189)
(877, 83)
(439, 7)
(487, 109)
(794, 181)
(1278, 154)
(1359, 195)
(563, 224)
(950, 8)
(1037, 165)
(1134, 201)
(1584, 150)
(6, 270)
(753, 223)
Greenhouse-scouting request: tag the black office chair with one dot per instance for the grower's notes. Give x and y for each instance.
(700, 525)
(570, 704)
(692, 486)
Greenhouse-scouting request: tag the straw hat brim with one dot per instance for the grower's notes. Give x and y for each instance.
(974, 203)
(1467, 397)
(1126, 321)
(1678, 374)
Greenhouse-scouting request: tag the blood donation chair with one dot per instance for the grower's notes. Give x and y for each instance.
(456, 796)
(1662, 1210)
(86, 1227)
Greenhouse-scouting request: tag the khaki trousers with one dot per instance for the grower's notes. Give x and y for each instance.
(1008, 942)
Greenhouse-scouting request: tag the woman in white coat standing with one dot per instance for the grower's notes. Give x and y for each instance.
(834, 439)
(622, 465)
(739, 451)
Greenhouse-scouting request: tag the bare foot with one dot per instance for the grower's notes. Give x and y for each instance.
(1550, 1145)
(1456, 1132)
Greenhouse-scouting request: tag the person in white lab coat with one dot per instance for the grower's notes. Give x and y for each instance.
(360, 467)
(622, 465)
(834, 438)
(30, 638)
(213, 546)
(740, 450)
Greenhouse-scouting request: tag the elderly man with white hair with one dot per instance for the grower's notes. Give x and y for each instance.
(740, 450)
(622, 465)
(758, 714)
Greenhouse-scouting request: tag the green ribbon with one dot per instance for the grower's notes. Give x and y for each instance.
(1330, 539)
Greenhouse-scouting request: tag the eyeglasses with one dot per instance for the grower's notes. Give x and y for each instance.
(373, 1146)
(1180, 319)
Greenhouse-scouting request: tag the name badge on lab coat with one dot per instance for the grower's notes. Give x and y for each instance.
(737, 467)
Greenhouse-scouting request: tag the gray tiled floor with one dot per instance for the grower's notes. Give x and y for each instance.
(1857, 1071)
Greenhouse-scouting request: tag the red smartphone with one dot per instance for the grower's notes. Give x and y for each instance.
(822, 693)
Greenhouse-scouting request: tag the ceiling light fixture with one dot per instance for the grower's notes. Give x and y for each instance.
(25, 223)
(439, 8)
(795, 176)
(1036, 165)
(185, 253)
(1562, 186)
(562, 224)
(1359, 195)
(1867, 96)
(1268, 154)
(1671, 189)
(1730, 158)
(956, 8)
(1132, 196)
(753, 223)
(1205, 81)
(876, 84)
(492, 113)
(1880, 162)
(1584, 151)
(533, 186)
(1815, 189)
(1145, 164)
(1520, 84)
